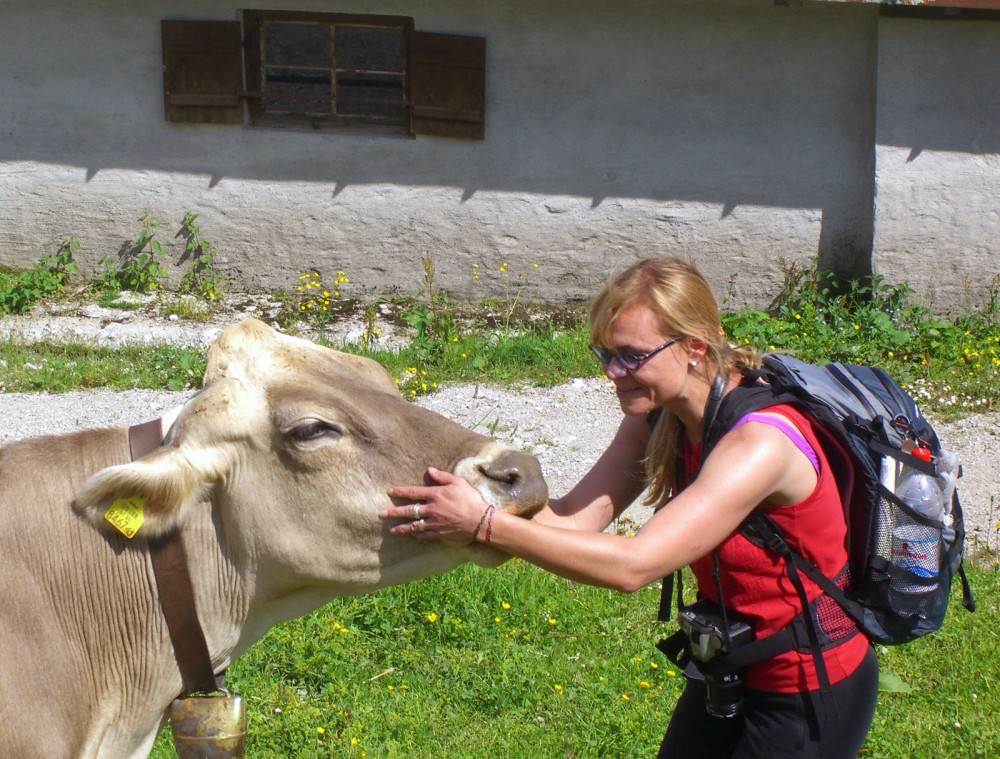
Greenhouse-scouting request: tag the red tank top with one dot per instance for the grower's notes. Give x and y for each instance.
(755, 582)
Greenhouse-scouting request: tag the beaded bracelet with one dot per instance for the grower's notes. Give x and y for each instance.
(486, 513)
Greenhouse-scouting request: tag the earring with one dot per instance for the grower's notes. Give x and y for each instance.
(694, 364)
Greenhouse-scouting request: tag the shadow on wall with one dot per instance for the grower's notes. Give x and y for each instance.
(747, 104)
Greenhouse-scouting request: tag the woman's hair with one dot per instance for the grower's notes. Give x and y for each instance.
(683, 306)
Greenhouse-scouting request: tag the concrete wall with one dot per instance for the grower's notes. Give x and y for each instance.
(737, 133)
(938, 158)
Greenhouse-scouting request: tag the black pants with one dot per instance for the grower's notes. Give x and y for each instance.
(778, 725)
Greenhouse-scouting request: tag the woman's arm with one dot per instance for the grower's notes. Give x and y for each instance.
(606, 490)
(749, 465)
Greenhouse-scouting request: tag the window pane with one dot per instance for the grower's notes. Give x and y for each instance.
(298, 87)
(296, 44)
(368, 48)
(378, 96)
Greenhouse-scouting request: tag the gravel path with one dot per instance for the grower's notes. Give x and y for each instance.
(567, 427)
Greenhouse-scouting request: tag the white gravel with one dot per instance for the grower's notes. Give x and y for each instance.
(567, 426)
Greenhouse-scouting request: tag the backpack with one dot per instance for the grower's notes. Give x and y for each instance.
(866, 423)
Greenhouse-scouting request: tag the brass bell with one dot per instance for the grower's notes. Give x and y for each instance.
(209, 727)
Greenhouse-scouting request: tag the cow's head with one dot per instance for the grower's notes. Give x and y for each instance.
(296, 445)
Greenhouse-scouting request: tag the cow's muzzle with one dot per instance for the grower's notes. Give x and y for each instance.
(517, 481)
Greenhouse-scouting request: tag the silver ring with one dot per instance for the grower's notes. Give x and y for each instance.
(421, 525)
(416, 511)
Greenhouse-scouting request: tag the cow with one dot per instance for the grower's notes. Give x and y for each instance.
(273, 473)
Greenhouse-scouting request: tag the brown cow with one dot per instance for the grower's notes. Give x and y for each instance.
(275, 474)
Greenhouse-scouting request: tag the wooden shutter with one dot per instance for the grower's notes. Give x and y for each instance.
(447, 85)
(202, 71)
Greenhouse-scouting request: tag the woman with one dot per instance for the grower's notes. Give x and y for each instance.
(657, 333)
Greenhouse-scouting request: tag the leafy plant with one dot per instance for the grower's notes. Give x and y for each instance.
(189, 367)
(202, 279)
(19, 291)
(138, 267)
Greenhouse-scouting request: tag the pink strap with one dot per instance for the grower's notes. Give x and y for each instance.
(791, 432)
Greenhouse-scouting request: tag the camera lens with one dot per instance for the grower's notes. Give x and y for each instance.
(723, 694)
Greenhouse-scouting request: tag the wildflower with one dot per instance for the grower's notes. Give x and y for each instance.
(355, 741)
(506, 605)
(654, 665)
(320, 730)
(558, 689)
(625, 697)
(643, 684)
(431, 617)
(553, 621)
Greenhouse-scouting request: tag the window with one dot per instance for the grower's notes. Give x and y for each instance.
(327, 69)
(324, 71)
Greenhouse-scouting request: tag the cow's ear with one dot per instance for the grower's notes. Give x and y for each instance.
(148, 497)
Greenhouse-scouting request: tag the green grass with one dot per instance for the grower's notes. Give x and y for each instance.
(58, 368)
(515, 662)
(951, 367)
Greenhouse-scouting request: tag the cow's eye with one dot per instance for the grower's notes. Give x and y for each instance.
(314, 429)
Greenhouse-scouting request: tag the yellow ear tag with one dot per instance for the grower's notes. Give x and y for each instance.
(125, 515)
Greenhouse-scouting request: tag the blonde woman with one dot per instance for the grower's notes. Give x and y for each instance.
(655, 328)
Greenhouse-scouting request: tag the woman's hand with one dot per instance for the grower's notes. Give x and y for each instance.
(450, 510)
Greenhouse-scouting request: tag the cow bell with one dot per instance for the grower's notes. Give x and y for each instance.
(209, 727)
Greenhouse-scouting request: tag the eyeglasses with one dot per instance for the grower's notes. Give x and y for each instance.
(626, 359)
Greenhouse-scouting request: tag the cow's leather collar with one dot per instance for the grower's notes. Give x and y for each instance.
(174, 584)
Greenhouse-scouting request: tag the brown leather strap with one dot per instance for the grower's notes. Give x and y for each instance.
(174, 584)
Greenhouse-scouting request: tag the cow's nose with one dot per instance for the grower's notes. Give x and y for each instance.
(519, 476)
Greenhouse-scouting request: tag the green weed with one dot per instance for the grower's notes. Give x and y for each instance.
(201, 279)
(20, 291)
(138, 266)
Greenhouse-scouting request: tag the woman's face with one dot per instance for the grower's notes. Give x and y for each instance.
(661, 378)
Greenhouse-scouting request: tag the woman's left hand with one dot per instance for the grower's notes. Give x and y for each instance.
(450, 510)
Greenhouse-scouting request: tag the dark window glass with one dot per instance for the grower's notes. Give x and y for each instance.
(376, 95)
(296, 44)
(297, 90)
(367, 48)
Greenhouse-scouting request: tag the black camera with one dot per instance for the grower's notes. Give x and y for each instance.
(710, 636)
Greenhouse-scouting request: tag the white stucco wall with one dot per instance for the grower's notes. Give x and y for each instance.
(737, 133)
(938, 159)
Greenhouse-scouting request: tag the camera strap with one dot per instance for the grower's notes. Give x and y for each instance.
(715, 396)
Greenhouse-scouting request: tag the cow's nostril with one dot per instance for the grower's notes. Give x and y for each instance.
(498, 472)
(519, 475)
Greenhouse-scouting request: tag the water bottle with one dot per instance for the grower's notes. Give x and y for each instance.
(915, 546)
